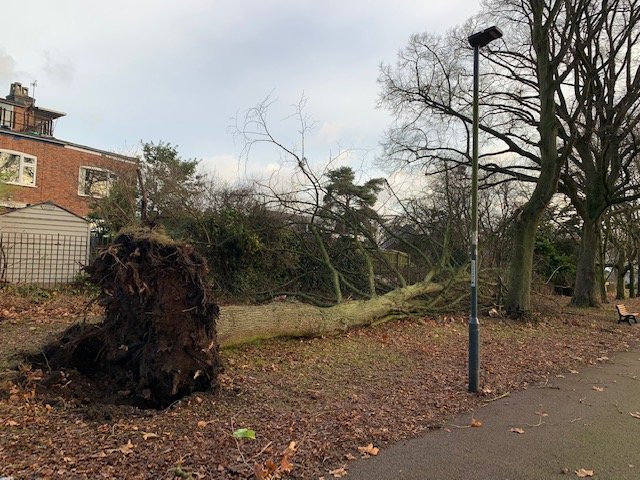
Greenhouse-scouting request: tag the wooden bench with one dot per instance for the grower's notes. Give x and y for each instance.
(626, 315)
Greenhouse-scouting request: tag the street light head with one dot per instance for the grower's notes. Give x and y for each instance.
(483, 38)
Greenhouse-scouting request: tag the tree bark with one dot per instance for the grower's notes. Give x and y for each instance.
(335, 276)
(244, 324)
(518, 300)
(620, 272)
(600, 271)
(638, 259)
(584, 292)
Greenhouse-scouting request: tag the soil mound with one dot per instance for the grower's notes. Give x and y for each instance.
(158, 340)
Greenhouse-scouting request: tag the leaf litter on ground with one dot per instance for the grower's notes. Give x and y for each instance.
(327, 395)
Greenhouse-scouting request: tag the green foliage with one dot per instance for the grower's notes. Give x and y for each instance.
(5, 188)
(172, 186)
(244, 433)
(312, 274)
(347, 205)
(249, 249)
(172, 183)
(556, 250)
(119, 208)
(37, 294)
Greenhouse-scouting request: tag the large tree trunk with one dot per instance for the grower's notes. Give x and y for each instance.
(600, 268)
(638, 258)
(584, 292)
(518, 301)
(620, 272)
(243, 324)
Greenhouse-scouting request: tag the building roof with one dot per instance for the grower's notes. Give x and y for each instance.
(7, 210)
(45, 112)
(64, 143)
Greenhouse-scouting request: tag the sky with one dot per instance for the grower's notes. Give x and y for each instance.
(181, 71)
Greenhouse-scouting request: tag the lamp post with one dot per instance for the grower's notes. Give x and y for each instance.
(477, 40)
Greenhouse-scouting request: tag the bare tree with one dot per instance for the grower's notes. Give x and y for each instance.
(599, 111)
(562, 87)
(332, 205)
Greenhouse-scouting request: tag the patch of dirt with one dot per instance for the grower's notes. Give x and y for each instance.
(331, 396)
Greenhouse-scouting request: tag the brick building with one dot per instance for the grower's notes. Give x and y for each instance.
(41, 168)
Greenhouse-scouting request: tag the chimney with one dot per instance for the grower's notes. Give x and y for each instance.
(20, 95)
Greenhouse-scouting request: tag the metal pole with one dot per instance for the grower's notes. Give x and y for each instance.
(474, 325)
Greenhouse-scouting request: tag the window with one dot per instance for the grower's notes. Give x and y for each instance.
(6, 116)
(17, 168)
(95, 182)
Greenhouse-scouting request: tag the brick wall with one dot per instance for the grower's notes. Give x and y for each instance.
(58, 171)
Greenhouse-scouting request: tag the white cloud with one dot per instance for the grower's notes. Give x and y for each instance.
(60, 71)
(178, 71)
(7, 66)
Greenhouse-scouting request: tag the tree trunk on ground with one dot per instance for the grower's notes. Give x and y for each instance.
(244, 324)
(584, 292)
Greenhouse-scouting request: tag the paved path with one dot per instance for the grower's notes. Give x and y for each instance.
(584, 428)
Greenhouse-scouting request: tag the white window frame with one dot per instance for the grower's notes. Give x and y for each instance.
(21, 168)
(82, 175)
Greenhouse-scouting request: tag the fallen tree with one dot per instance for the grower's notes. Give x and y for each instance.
(160, 337)
(243, 324)
(158, 340)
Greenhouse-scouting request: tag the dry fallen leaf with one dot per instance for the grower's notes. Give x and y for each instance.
(635, 414)
(597, 389)
(350, 456)
(338, 472)
(260, 472)
(203, 424)
(285, 465)
(475, 423)
(574, 371)
(583, 473)
(291, 448)
(128, 448)
(517, 430)
(270, 465)
(369, 450)
(542, 413)
(148, 435)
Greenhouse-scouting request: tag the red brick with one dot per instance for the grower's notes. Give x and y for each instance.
(58, 170)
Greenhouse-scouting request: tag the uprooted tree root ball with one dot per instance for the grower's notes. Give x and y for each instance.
(158, 340)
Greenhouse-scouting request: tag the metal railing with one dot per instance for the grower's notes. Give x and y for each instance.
(42, 259)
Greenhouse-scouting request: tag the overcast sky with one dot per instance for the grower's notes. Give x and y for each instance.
(180, 71)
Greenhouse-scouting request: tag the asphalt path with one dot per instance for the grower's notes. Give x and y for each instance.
(577, 420)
